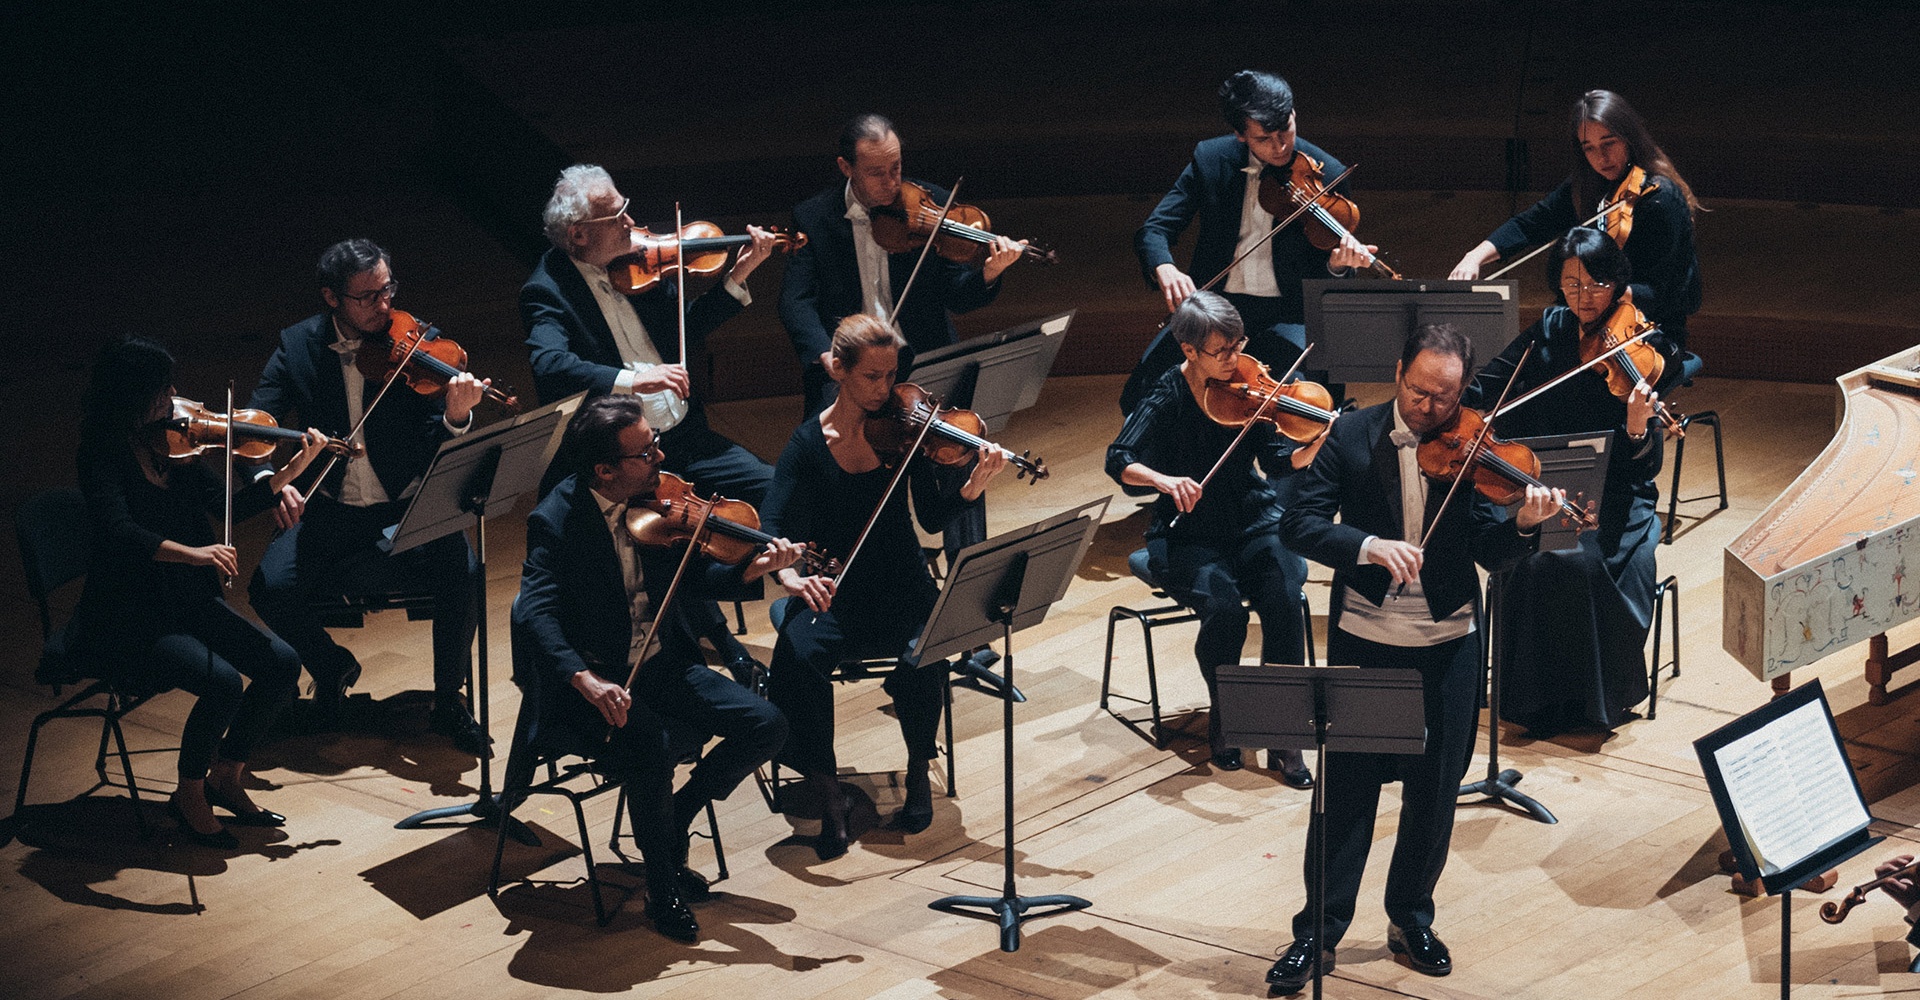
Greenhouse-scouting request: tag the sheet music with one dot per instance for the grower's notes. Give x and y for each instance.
(1792, 787)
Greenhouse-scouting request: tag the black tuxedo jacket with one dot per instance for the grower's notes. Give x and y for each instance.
(572, 613)
(822, 284)
(573, 347)
(1212, 189)
(304, 385)
(1357, 477)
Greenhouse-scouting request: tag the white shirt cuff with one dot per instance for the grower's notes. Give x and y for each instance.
(738, 291)
(623, 382)
(1364, 546)
(462, 428)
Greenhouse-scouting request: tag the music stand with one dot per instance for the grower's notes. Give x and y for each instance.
(1360, 325)
(1005, 583)
(1788, 798)
(997, 374)
(1576, 463)
(482, 472)
(1375, 710)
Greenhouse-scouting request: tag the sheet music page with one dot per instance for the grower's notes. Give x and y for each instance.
(1791, 786)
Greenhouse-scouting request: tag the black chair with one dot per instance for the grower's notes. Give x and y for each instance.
(1666, 598)
(1691, 366)
(54, 540)
(1150, 619)
(848, 671)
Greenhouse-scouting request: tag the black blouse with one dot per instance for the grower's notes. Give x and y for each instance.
(1169, 433)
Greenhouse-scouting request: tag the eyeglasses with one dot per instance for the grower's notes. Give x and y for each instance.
(618, 214)
(1226, 351)
(384, 293)
(1573, 288)
(651, 453)
(1421, 397)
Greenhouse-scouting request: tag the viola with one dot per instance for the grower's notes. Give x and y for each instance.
(425, 363)
(965, 236)
(1331, 216)
(194, 428)
(1301, 410)
(954, 437)
(1501, 470)
(1641, 362)
(1618, 214)
(675, 513)
(703, 244)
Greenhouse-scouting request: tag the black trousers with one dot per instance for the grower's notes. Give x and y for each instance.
(209, 655)
(337, 549)
(1218, 581)
(811, 645)
(1429, 787)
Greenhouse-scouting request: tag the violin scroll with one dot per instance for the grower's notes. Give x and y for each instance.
(965, 236)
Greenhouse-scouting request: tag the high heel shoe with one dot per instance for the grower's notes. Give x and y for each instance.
(245, 817)
(224, 840)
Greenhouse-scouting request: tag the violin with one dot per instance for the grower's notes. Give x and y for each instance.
(1301, 410)
(194, 428)
(955, 435)
(1618, 214)
(1502, 470)
(1331, 216)
(703, 243)
(1833, 912)
(965, 235)
(1641, 362)
(674, 513)
(427, 367)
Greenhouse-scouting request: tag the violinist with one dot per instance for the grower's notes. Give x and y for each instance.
(1575, 622)
(828, 482)
(1611, 140)
(340, 546)
(1217, 551)
(588, 596)
(585, 335)
(1367, 476)
(1221, 188)
(152, 599)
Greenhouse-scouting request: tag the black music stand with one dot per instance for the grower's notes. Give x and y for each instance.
(1349, 709)
(997, 374)
(1360, 325)
(479, 473)
(1005, 583)
(1576, 463)
(1788, 798)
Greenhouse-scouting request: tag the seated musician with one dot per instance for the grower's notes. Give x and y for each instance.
(828, 482)
(589, 596)
(342, 544)
(1575, 622)
(1221, 188)
(585, 335)
(152, 598)
(1223, 553)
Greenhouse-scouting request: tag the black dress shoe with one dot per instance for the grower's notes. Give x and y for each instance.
(671, 917)
(330, 689)
(917, 813)
(246, 817)
(1293, 777)
(694, 887)
(1423, 950)
(1290, 974)
(454, 722)
(223, 840)
(1228, 759)
(748, 672)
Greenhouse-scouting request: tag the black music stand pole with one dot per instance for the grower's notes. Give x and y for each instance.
(1498, 784)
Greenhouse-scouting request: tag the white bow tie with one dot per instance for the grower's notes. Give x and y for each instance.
(1403, 439)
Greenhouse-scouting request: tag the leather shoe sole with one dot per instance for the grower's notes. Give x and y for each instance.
(1423, 949)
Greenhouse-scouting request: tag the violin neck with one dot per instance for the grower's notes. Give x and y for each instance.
(1299, 409)
(702, 244)
(958, 436)
(245, 430)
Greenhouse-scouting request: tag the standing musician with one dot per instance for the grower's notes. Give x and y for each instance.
(1612, 140)
(589, 594)
(342, 545)
(152, 599)
(1221, 186)
(585, 335)
(1367, 475)
(828, 483)
(1217, 550)
(1574, 623)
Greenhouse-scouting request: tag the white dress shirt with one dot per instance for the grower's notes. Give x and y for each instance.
(876, 282)
(631, 574)
(1253, 275)
(359, 486)
(664, 408)
(1404, 619)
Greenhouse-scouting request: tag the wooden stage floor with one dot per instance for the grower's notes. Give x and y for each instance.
(1193, 874)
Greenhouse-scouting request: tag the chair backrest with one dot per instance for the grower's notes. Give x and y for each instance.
(54, 538)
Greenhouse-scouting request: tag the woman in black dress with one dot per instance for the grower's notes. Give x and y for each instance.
(827, 482)
(1611, 139)
(153, 601)
(1574, 623)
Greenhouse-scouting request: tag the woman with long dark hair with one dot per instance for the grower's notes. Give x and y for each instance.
(153, 604)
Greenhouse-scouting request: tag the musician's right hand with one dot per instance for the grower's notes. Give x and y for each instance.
(1402, 559)
(1470, 266)
(1184, 491)
(817, 591)
(611, 699)
(659, 377)
(1175, 285)
(221, 557)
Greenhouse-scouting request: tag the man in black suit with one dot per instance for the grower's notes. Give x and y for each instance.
(588, 594)
(1399, 603)
(585, 335)
(341, 545)
(1221, 188)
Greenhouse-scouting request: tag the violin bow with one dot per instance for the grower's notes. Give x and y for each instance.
(1652, 182)
(365, 411)
(226, 536)
(680, 293)
(1271, 233)
(1242, 436)
(1598, 359)
(933, 416)
(660, 613)
(901, 299)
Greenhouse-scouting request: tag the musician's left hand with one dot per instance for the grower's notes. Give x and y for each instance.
(1351, 253)
(463, 394)
(1640, 404)
(1905, 890)
(1303, 455)
(1001, 257)
(288, 507)
(778, 555)
(1540, 504)
(992, 461)
(752, 255)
